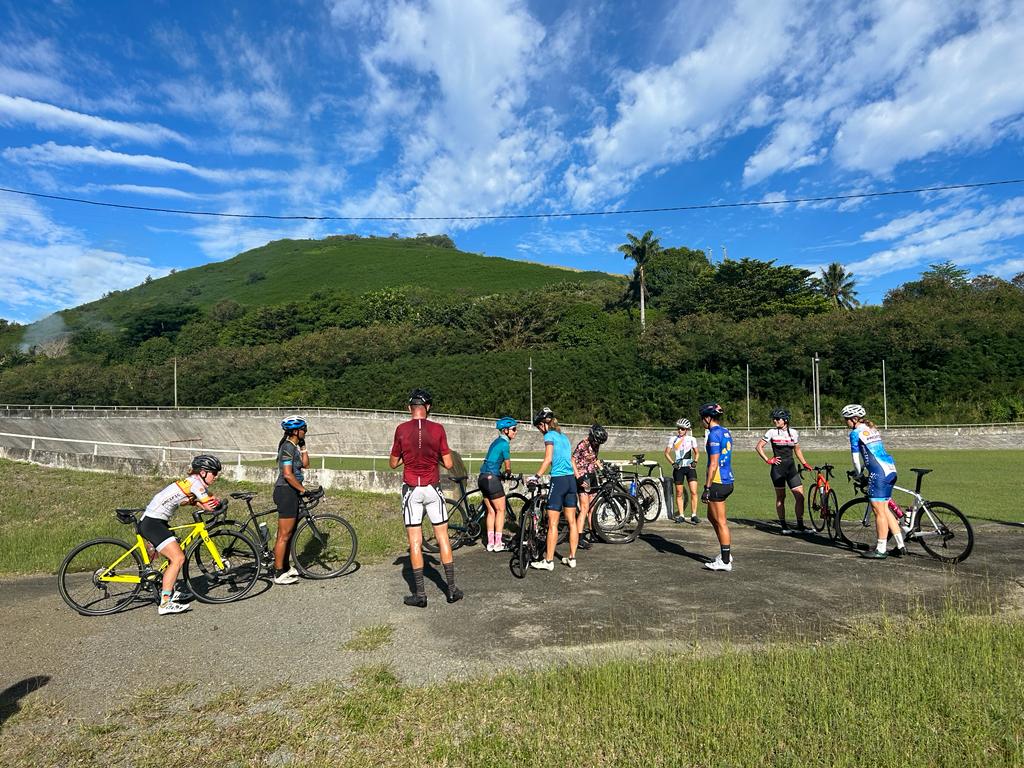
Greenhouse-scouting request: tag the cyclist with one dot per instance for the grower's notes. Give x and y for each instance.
(868, 453)
(585, 461)
(785, 442)
(681, 449)
(496, 466)
(562, 493)
(719, 483)
(419, 445)
(292, 459)
(154, 528)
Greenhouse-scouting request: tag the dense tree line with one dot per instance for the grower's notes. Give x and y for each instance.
(951, 346)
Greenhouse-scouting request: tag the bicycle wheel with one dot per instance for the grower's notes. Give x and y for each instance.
(814, 514)
(944, 532)
(233, 579)
(649, 497)
(855, 524)
(323, 546)
(525, 543)
(86, 578)
(515, 503)
(617, 517)
(829, 510)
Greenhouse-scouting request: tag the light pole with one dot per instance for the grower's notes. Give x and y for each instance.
(175, 382)
(530, 369)
(748, 396)
(885, 398)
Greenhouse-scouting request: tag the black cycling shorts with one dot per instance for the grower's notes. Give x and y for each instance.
(684, 475)
(156, 531)
(287, 500)
(719, 491)
(587, 483)
(491, 487)
(786, 474)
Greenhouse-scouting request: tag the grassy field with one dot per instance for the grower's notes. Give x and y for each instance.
(45, 512)
(952, 695)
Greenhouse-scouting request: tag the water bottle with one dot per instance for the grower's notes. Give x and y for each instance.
(632, 487)
(896, 509)
(264, 532)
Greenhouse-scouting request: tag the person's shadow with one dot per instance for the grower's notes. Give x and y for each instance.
(669, 547)
(12, 695)
(430, 572)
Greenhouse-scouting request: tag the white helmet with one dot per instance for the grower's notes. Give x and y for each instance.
(853, 411)
(683, 424)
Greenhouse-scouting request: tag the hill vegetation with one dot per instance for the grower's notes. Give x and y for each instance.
(358, 322)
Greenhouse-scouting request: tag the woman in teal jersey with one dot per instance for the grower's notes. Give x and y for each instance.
(562, 493)
(497, 465)
(718, 485)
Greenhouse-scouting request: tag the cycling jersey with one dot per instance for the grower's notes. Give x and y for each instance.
(289, 455)
(497, 454)
(420, 444)
(585, 457)
(682, 449)
(868, 451)
(561, 463)
(188, 490)
(719, 443)
(782, 441)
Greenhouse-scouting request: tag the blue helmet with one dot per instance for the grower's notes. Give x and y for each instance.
(293, 422)
(505, 422)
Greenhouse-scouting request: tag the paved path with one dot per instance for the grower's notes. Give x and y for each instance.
(649, 595)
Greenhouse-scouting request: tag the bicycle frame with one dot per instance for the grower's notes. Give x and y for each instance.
(196, 531)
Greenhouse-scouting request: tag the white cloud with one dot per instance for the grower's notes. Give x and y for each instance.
(957, 99)
(973, 235)
(49, 116)
(142, 189)
(667, 114)
(64, 155)
(45, 267)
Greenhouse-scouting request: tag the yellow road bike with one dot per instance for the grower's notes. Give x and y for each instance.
(107, 575)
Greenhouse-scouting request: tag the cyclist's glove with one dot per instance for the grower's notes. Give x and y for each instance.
(533, 480)
(774, 460)
(302, 442)
(705, 497)
(505, 476)
(807, 467)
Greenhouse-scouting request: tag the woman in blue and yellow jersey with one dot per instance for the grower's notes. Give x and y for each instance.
(718, 485)
(562, 493)
(497, 465)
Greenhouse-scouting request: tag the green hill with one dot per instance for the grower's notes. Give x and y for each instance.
(289, 270)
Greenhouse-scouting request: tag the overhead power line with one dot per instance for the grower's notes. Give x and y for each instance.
(507, 216)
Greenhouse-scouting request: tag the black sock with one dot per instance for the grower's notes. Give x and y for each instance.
(449, 574)
(280, 571)
(417, 576)
(726, 554)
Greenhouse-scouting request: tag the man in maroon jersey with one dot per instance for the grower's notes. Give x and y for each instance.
(419, 445)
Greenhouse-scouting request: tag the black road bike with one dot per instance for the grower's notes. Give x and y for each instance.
(467, 516)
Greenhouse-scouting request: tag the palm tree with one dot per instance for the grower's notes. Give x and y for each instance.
(837, 285)
(640, 250)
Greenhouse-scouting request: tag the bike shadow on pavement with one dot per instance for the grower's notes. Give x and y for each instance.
(432, 570)
(667, 546)
(11, 696)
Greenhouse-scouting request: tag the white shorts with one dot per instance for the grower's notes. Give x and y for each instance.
(418, 500)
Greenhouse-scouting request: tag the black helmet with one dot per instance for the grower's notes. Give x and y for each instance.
(544, 414)
(207, 462)
(420, 397)
(711, 411)
(781, 413)
(598, 435)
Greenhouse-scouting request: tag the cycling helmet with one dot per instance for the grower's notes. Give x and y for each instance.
(711, 410)
(683, 424)
(853, 411)
(505, 422)
(781, 413)
(598, 435)
(207, 462)
(293, 422)
(420, 397)
(544, 414)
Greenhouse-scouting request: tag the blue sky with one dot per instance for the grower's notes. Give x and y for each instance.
(445, 107)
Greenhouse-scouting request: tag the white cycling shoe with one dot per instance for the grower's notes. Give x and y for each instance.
(718, 565)
(172, 607)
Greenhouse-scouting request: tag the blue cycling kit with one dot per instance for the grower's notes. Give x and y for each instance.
(719, 443)
(498, 453)
(561, 457)
(867, 451)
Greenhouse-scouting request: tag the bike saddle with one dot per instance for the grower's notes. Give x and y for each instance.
(127, 516)
(243, 495)
(460, 479)
(921, 472)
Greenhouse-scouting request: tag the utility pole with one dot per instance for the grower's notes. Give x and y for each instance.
(175, 382)
(531, 387)
(815, 392)
(885, 398)
(748, 396)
